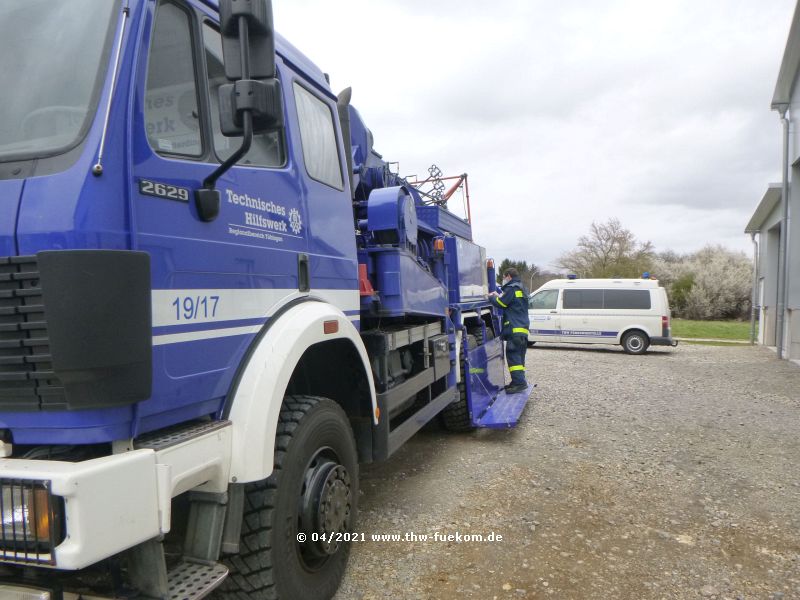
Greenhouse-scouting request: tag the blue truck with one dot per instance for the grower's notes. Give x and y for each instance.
(216, 301)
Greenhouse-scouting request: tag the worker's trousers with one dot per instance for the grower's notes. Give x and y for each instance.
(516, 346)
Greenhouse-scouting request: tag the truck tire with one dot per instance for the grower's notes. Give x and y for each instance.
(635, 342)
(479, 337)
(455, 417)
(313, 489)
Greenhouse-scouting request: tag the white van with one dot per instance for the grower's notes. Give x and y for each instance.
(631, 312)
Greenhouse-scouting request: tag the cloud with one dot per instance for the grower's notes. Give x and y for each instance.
(567, 113)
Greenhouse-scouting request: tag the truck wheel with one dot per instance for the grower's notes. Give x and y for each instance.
(477, 333)
(313, 489)
(455, 417)
(635, 342)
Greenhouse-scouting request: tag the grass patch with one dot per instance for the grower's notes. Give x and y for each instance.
(720, 330)
(714, 343)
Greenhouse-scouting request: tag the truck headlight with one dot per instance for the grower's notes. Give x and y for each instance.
(30, 517)
(18, 592)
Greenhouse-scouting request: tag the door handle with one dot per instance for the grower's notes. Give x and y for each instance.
(303, 277)
(553, 312)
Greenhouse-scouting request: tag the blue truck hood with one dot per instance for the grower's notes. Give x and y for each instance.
(10, 194)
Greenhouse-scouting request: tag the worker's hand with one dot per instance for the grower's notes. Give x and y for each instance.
(493, 294)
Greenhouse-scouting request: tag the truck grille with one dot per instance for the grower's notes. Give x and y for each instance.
(27, 381)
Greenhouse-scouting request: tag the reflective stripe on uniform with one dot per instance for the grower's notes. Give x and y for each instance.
(516, 367)
(519, 294)
(506, 322)
(519, 330)
(501, 303)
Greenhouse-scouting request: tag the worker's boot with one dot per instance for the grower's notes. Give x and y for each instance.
(515, 388)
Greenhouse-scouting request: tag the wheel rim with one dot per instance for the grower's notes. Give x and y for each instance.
(325, 506)
(635, 343)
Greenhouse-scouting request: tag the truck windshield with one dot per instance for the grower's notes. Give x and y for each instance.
(51, 54)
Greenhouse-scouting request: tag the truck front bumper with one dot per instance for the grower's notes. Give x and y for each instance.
(98, 508)
(26, 591)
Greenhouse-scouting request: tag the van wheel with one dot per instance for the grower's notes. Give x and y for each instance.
(313, 489)
(635, 342)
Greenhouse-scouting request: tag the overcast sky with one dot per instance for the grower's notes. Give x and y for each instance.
(564, 113)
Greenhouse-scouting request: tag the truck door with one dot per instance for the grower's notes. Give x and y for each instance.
(320, 159)
(214, 283)
(543, 314)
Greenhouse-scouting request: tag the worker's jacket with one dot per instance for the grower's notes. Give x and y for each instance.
(514, 302)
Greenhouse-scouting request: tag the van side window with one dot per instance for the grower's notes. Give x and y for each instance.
(268, 148)
(627, 299)
(171, 112)
(592, 299)
(320, 151)
(546, 299)
(607, 299)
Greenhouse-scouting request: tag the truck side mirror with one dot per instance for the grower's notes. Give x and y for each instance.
(248, 49)
(264, 100)
(253, 103)
(260, 42)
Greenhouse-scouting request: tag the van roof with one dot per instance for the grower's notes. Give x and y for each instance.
(601, 283)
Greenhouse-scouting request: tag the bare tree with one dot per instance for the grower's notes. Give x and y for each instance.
(609, 250)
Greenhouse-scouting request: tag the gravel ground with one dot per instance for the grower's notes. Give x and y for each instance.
(670, 475)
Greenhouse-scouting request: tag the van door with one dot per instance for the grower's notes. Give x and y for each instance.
(543, 314)
(627, 309)
(583, 318)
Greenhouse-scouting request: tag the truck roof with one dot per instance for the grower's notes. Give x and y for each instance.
(601, 283)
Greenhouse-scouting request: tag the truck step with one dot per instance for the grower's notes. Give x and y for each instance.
(171, 436)
(192, 581)
(504, 412)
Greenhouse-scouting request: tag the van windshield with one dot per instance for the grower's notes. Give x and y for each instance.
(546, 299)
(51, 54)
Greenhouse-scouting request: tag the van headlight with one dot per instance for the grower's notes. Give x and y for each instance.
(31, 519)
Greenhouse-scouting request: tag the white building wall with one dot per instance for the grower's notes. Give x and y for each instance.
(792, 318)
(768, 269)
(794, 334)
(786, 99)
(793, 300)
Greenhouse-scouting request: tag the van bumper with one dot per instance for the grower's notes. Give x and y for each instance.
(663, 341)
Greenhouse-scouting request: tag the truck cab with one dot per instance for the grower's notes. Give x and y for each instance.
(211, 282)
(216, 300)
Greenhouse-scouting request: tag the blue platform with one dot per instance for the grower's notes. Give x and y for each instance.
(489, 404)
(505, 411)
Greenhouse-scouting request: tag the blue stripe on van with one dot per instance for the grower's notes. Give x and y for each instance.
(580, 333)
(575, 333)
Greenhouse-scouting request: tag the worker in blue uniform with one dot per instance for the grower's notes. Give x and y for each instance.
(513, 299)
